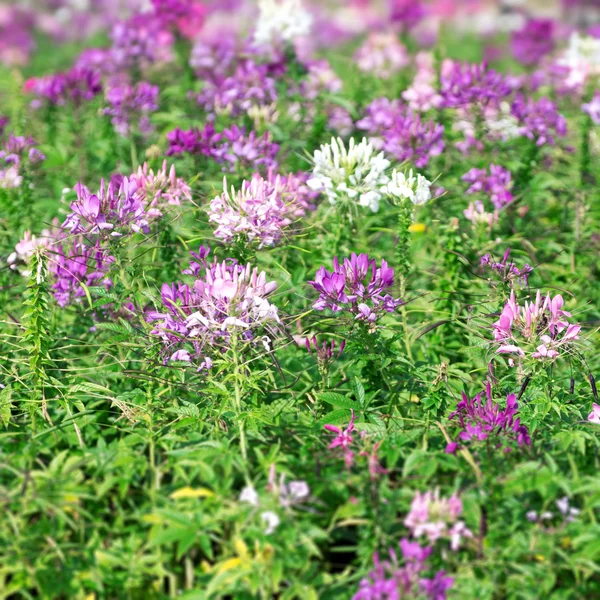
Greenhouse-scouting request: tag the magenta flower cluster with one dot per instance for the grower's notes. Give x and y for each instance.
(538, 329)
(72, 262)
(533, 41)
(496, 184)
(483, 419)
(402, 133)
(389, 580)
(260, 211)
(356, 286)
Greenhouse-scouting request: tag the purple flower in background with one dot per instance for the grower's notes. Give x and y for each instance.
(592, 108)
(422, 94)
(140, 41)
(129, 102)
(247, 87)
(356, 286)
(533, 41)
(194, 141)
(408, 13)
(74, 262)
(465, 84)
(77, 86)
(481, 419)
(381, 55)
(401, 132)
(247, 151)
(16, 34)
(496, 184)
(508, 271)
(3, 123)
(437, 587)
(436, 518)
(539, 120)
(214, 59)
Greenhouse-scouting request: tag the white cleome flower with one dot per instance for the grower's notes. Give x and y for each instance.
(281, 20)
(416, 189)
(249, 495)
(356, 172)
(271, 520)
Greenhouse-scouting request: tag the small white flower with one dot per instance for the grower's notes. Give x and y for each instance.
(10, 178)
(416, 189)
(249, 495)
(271, 520)
(281, 20)
(355, 173)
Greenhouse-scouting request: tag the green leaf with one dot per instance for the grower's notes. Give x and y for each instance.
(337, 400)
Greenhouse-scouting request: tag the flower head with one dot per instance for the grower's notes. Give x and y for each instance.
(496, 184)
(482, 418)
(353, 175)
(415, 189)
(356, 286)
(226, 299)
(402, 132)
(539, 329)
(382, 55)
(539, 120)
(256, 213)
(436, 517)
(281, 21)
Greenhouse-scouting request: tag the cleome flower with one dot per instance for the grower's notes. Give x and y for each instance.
(496, 184)
(256, 213)
(353, 175)
(402, 132)
(435, 518)
(201, 318)
(390, 580)
(116, 209)
(356, 286)
(416, 189)
(281, 20)
(481, 420)
(382, 55)
(160, 189)
(538, 329)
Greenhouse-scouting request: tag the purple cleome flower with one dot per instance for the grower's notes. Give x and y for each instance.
(226, 299)
(399, 131)
(480, 420)
(356, 286)
(496, 184)
(539, 120)
(466, 84)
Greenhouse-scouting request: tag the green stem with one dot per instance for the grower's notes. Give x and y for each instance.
(238, 396)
